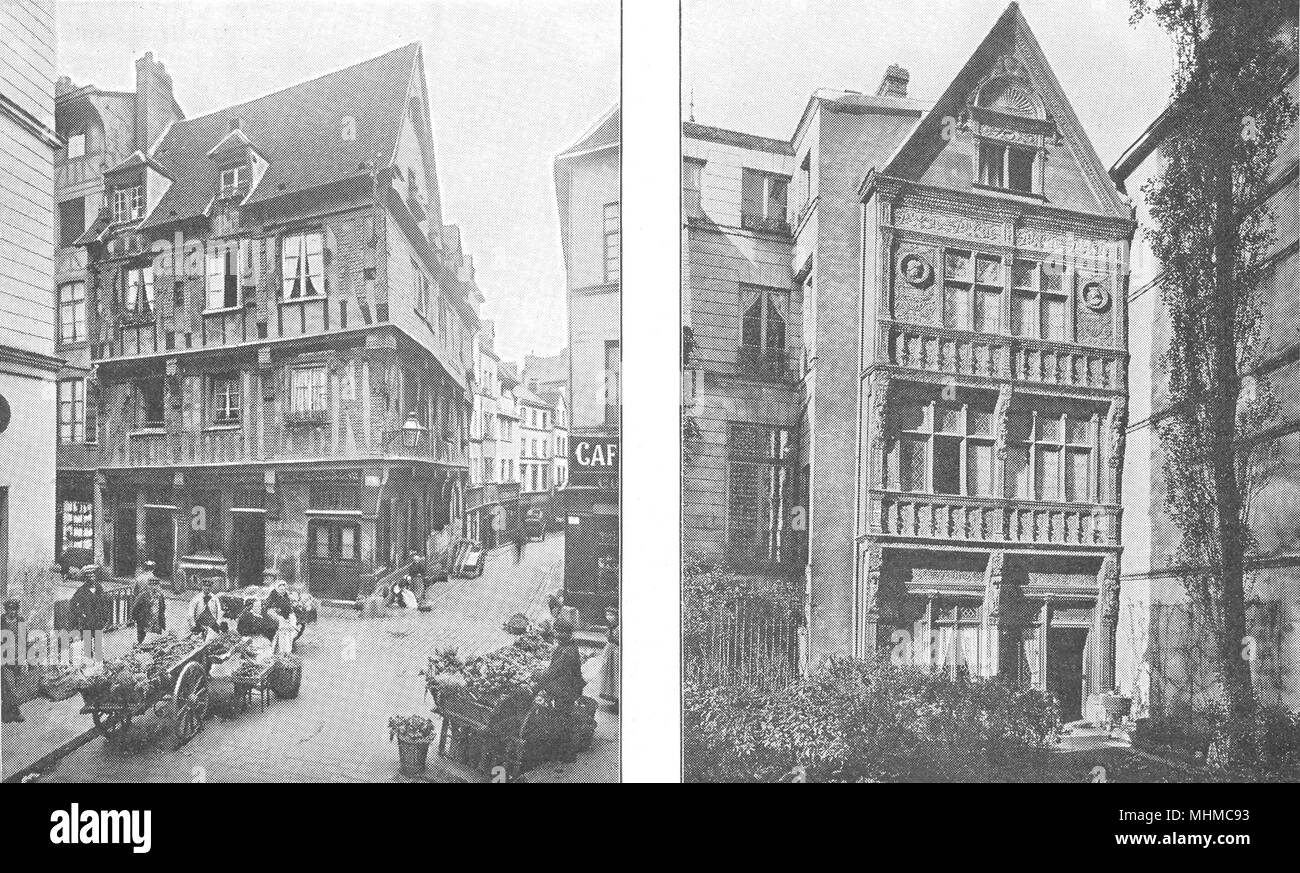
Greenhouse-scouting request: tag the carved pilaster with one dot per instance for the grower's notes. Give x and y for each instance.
(1000, 421)
(1107, 617)
(1116, 432)
(992, 608)
(876, 424)
(872, 563)
(1000, 416)
(1108, 589)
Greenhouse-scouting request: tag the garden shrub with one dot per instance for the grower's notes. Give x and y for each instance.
(863, 721)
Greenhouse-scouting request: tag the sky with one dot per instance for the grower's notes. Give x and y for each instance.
(511, 85)
(752, 64)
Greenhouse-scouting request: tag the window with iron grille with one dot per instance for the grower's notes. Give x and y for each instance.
(78, 525)
(759, 491)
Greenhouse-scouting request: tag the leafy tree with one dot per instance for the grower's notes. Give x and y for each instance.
(1211, 235)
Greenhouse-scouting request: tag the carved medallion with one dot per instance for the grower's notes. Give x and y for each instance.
(916, 270)
(1095, 296)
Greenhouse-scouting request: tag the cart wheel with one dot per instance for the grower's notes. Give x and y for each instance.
(111, 725)
(191, 702)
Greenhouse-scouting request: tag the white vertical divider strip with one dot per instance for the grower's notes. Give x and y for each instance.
(651, 345)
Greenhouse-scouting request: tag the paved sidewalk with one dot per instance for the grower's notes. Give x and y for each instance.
(356, 673)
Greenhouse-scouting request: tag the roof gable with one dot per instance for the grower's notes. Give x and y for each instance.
(605, 132)
(1008, 79)
(319, 132)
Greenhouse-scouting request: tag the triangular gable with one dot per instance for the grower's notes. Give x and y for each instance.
(236, 141)
(1008, 75)
(605, 132)
(135, 159)
(414, 147)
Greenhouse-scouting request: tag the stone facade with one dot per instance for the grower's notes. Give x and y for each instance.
(739, 263)
(1164, 664)
(28, 365)
(993, 358)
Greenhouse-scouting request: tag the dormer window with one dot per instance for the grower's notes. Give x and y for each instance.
(233, 178)
(128, 203)
(1008, 167)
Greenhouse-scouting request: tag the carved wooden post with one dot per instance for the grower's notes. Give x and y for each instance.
(1107, 615)
(873, 561)
(880, 382)
(1116, 429)
(1000, 415)
(992, 608)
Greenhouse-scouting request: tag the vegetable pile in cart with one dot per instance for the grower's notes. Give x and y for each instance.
(135, 676)
(490, 713)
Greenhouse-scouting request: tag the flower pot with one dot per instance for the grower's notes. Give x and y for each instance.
(412, 756)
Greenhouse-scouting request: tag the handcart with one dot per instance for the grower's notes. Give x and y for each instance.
(182, 699)
(517, 732)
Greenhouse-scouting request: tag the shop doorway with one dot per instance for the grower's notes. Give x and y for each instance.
(160, 540)
(248, 547)
(1065, 677)
(124, 565)
(334, 559)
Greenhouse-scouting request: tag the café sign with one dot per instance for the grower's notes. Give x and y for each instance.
(594, 454)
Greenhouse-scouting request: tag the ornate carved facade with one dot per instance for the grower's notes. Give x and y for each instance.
(993, 376)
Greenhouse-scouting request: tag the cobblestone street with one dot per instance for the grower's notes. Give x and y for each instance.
(356, 673)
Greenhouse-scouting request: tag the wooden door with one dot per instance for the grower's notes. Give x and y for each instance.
(334, 559)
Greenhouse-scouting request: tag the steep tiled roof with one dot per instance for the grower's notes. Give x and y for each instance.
(298, 130)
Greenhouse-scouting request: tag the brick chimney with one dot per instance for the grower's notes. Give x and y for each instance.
(895, 82)
(154, 106)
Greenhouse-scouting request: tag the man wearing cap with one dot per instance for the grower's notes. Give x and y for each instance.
(205, 609)
(149, 607)
(89, 608)
(563, 683)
